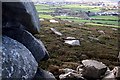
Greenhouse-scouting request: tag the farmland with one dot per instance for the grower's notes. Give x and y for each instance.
(97, 19)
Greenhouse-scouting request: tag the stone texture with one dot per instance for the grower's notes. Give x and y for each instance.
(72, 41)
(93, 69)
(16, 13)
(43, 75)
(29, 41)
(17, 60)
(116, 72)
(56, 32)
(71, 76)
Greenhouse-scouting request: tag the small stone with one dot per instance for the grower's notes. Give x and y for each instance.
(116, 72)
(72, 41)
(101, 31)
(67, 70)
(56, 32)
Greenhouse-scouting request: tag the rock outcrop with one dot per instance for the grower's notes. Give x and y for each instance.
(16, 13)
(21, 51)
(18, 62)
(35, 46)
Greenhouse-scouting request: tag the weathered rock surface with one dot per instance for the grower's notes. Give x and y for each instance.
(112, 75)
(21, 50)
(72, 41)
(93, 69)
(17, 60)
(43, 75)
(71, 76)
(35, 46)
(56, 32)
(90, 70)
(109, 76)
(116, 72)
(16, 13)
(66, 70)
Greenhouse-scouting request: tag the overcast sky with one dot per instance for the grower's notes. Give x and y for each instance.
(80, 0)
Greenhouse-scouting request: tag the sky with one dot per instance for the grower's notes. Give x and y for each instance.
(80, 0)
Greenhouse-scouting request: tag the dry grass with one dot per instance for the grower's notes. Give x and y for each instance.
(63, 55)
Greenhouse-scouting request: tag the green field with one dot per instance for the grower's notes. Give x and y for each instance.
(106, 17)
(46, 16)
(102, 20)
(105, 21)
(43, 8)
(83, 7)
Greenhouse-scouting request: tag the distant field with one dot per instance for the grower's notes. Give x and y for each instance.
(83, 7)
(66, 17)
(45, 16)
(79, 20)
(106, 17)
(101, 20)
(105, 21)
(43, 8)
(94, 24)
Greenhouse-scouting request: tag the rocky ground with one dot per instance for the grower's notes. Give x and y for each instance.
(97, 42)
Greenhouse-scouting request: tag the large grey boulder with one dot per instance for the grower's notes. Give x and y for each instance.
(16, 13)
(17, 61)
(93, 69)
(29, 41)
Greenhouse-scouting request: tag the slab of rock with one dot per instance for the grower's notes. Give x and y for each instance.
(36, 47)
(93, 38)
(72, 41)
(16, 13)
(101, 31)
(56, 32)
(53, 21)
(41, 19)
(93, 69)
(17, 60)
